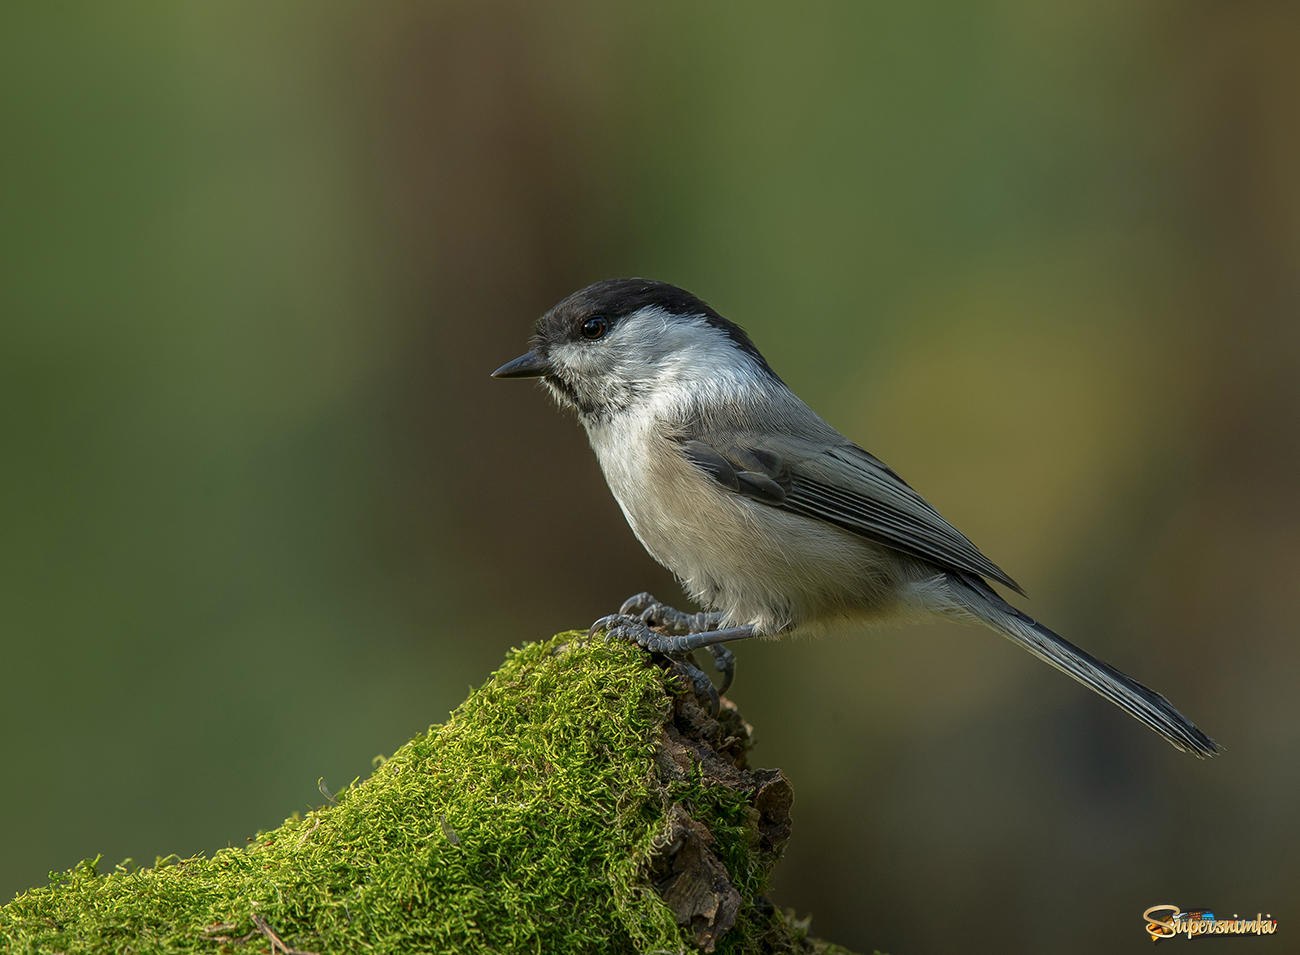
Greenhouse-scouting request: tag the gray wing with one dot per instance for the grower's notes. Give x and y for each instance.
(842, 485)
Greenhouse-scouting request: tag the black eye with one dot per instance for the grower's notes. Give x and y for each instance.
(595, 327)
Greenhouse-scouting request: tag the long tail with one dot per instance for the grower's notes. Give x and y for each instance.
(1140, 702)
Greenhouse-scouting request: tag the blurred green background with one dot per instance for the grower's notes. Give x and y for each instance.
(265, 515)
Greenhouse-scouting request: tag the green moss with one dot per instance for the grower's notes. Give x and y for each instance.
(533, 820)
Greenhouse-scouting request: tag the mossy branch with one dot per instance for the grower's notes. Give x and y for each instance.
(580, 801)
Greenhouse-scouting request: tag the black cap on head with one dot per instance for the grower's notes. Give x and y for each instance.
(615, 298)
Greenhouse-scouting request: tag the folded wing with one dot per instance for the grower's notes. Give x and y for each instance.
(843, 485)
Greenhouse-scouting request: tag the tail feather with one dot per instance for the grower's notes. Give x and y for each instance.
(1141, 702)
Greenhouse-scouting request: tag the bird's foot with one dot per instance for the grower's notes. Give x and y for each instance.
(702, 686)
(622, 626)
(655, 613)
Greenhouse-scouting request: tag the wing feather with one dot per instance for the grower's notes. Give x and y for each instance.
(843, 485)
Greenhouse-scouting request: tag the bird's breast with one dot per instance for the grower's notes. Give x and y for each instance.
(758, 564)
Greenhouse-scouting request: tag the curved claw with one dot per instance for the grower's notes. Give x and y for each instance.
(638, 604)
(701, 685)
(605, 623)
(655, 613)
(724, 661)
(621, 626)
(636, 628)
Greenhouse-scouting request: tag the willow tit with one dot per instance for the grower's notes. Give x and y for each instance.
(768, 516)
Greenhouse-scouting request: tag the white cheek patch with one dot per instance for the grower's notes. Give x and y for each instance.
(562, 354)
(596, 362)
(663, 337)
(570, 357)
(644, 332)
(656, 358)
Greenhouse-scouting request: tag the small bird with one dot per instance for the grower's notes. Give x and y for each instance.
(769, 517)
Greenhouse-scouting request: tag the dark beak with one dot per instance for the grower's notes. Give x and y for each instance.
(529, 365)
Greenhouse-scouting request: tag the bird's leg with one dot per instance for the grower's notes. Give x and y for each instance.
(711, 639)
(625, 626)
(678, 647)
(656, 613)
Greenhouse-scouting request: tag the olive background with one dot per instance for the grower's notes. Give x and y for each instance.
(265, 515)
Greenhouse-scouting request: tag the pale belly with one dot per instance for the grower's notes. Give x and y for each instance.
(757, 564)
